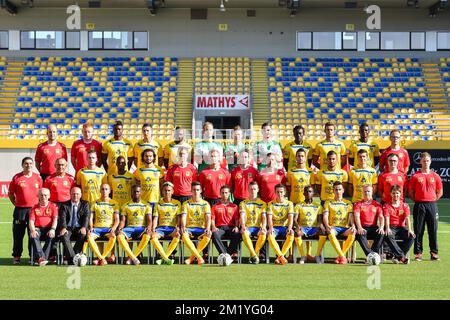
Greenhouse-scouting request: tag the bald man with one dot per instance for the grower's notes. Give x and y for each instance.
(60, 183)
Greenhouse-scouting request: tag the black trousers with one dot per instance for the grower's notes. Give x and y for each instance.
(38, 251)
(72, 235)
(425, 213)
(371, 234)
(19, 227)
(226, 231)
(399, 233)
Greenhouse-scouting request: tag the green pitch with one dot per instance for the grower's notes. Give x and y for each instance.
(419, 280)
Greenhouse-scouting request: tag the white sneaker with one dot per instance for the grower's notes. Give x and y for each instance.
(318, 259)
(303, 260)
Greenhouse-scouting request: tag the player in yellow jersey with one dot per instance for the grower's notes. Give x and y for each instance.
(121, 182)
(364, 143)
(307, 221)
(117, 146)
(328, 175)
(196, 222)
(171, 149)
(290, 149)
(147, 142)
(329, 144)
(338, 220)
(135, 223)
(360, 176)
(166, 216)
(103, 224)
(299, 177)
(280, 219)
(149, 176)
(90, 178)
(253, 221)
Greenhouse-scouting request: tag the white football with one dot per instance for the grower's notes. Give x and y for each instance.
(373, 259)
(80, 260)
(224, 259)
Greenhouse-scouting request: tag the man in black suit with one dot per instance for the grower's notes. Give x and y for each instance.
(73, 223)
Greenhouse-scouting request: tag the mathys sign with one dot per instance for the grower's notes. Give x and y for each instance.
(224, 102)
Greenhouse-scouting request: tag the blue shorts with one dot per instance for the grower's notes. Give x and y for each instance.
(280, 231)
(340, 230)
(133, 232)
(165, 231)
(100, 232)
(196, 231)
(310, 231)
(253, 231)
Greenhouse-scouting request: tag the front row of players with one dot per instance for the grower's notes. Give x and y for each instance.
(276, 221)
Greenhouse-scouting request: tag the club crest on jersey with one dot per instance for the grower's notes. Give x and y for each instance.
(188, 174)
(401, 212)
(400, 155)
(208, 177)
(57, 151)
(400, 179)
(374, 210)
(36, 185)
(432, 180)
(421, 180)
(220, 176)
(65, 183)
(239, 176)
(278, 177)
(230, 210)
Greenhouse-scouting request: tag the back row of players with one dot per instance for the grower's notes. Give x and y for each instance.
(211, 168)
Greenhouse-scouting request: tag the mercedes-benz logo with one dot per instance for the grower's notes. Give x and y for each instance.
(416, 157)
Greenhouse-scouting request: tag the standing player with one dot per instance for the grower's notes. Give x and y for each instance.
(290, 150)
(104, 221)
(203, 148)
(165, 224)
(43, 222)
(135, 223)
(121, 182)
(80, 148)
(181, 175)
(425, 189)
(233, 150)
(390, 178)
(90, 178)
(149, 177)
(213, 179)
(267, 145)
(48, 152)
(369, 221)
(241, 176)
(395, 148)
(117, 146)
(338, 220)
(364, 143)
(361, 175)
(298, 177)
(171, 150)
(269, 177)
(398, 226)
(253, 221)
(196, 222)
(23, 194)
(328, 175)
(307, 221)
(60, 183)
(329, 144)
(280, 218)
(225, 222)
(145, 143)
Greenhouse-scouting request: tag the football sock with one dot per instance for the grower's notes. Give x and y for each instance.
(188, 242)
(124, 244)
(85, 246)
(142, 244)
(203, 243)
(274, 244)
(322, 240)
(109, 246)
(308, 247)
(157, 245)
(172, 246)
(287, 244)
(298, 242)
(260, 242)
(248, 243)
(94, 247)
(335, 243)
(348, 243)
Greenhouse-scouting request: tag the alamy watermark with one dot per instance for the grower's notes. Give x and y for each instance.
(374, 280)
(74, 279)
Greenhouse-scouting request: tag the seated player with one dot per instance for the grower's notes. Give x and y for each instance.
(165, 223)
(280, 217)
(253, 221)
(369, 221)
(196, 222)
(338, 220)
(398, 226)
(136, 215)
(307, 221)
(104, 221)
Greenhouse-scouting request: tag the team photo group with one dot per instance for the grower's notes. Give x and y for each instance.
(193, 192)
